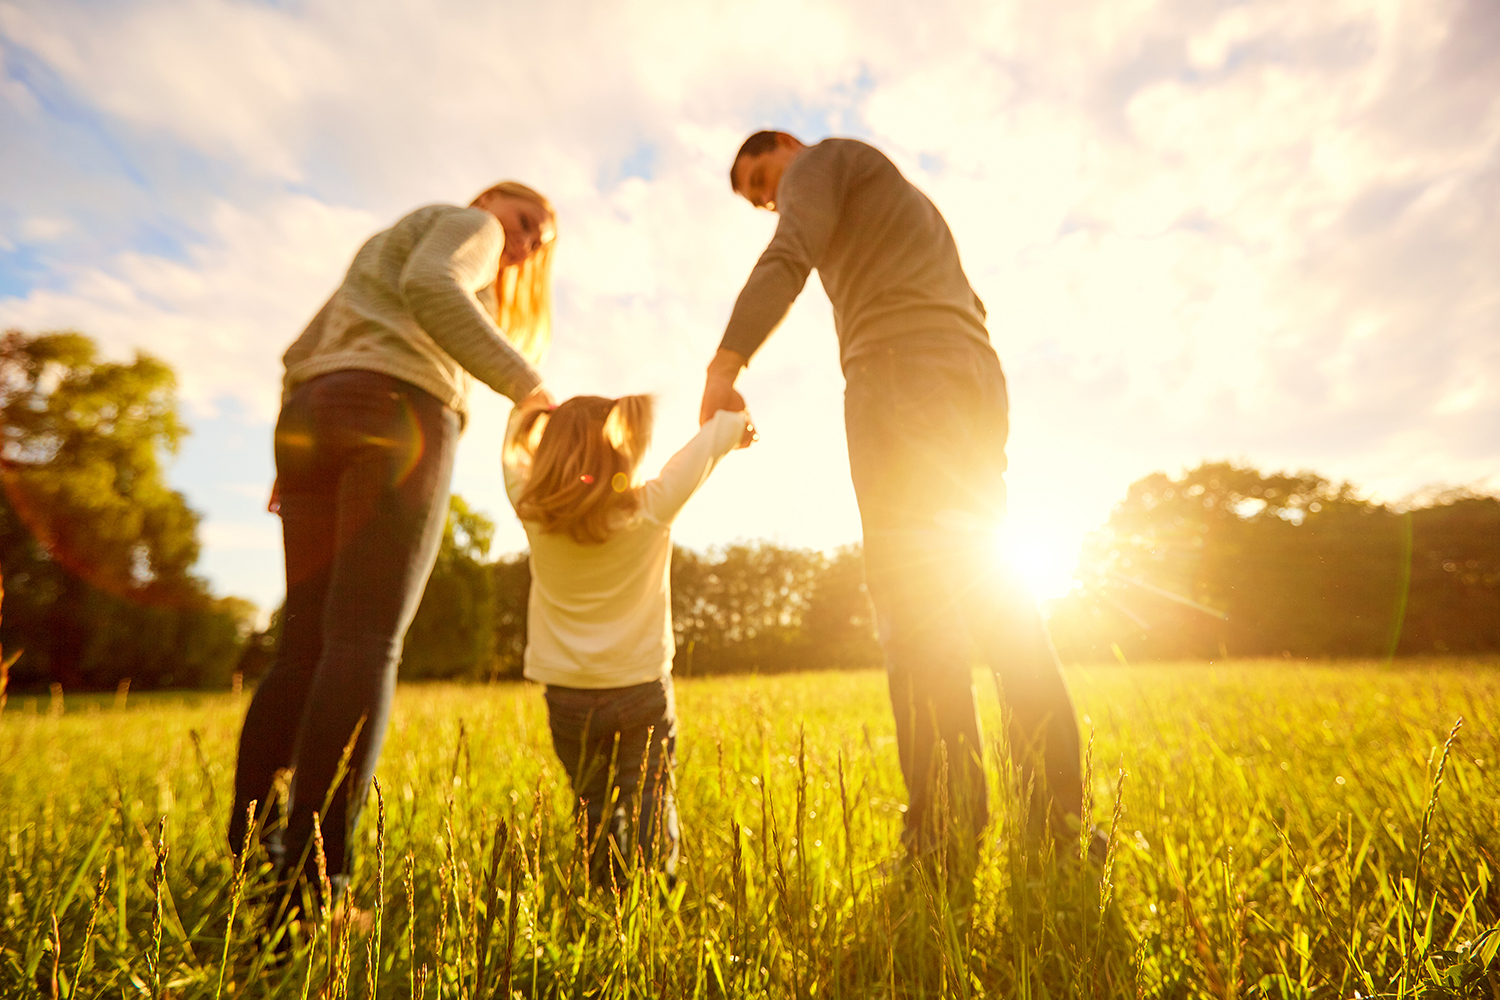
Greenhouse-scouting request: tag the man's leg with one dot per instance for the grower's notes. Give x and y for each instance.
(1041, 724)
(1003, 617)
(896, 413)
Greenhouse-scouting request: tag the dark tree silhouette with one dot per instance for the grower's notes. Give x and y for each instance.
(97, 546)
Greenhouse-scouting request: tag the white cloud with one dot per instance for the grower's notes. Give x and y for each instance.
(1265, 231)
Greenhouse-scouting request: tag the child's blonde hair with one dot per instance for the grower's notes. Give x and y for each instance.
(585, 454)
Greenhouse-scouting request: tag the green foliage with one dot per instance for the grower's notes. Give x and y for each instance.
(97, 546)
(1229, 561)
(1268, 842)
(453, 633)
(766, 609)
(511, 578)
(1455, 575)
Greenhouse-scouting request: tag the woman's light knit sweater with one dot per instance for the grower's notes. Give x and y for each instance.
(409, 308)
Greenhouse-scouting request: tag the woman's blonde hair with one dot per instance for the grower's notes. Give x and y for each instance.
(523, 292)
(585, 454)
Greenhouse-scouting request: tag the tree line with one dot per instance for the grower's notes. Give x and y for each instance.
(97, 552)
(1229, 561)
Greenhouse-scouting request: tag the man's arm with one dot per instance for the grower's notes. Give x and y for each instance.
(807, 204)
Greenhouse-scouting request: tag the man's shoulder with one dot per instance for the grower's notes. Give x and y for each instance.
(842, 146)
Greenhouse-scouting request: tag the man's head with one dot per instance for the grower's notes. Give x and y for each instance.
(756, 172)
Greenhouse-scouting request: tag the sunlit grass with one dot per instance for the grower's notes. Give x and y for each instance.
(1268, 839)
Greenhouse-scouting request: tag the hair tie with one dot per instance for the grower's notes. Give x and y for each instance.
(587, 479)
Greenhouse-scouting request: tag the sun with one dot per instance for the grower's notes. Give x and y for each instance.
(1042, 558)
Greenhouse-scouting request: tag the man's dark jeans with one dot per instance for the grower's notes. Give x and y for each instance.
(363, 461)
(601, 737)
(927, 431)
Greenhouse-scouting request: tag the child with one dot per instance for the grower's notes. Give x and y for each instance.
(599, 625)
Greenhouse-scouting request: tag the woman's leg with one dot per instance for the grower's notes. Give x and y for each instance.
(383, 451)
(269, 735)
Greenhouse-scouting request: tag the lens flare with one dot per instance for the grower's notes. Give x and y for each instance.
(1042, 559)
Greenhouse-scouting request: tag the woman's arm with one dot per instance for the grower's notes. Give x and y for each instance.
(663, 497)
(459, 254)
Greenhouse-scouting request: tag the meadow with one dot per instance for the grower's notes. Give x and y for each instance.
(1278, 830)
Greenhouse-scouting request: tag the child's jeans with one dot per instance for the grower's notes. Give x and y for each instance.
(619, 746)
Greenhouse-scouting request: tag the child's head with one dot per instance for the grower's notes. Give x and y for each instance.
(583, 468)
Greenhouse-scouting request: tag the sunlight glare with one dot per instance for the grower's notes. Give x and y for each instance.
(1043, 559)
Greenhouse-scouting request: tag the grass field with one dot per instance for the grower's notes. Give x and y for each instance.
(1279, 831)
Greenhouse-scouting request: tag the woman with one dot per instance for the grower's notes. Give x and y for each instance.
(374, 398)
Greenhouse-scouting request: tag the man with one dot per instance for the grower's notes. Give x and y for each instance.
(925, 410)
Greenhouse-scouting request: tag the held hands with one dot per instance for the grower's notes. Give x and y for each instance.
(718, 387)
(750, 436)
(540, 399)
(719, 393)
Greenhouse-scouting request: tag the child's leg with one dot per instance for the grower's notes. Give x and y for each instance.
(652, 708)
(623, 784)
(584, 729)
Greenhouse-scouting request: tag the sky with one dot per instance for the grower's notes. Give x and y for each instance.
(1267, 232)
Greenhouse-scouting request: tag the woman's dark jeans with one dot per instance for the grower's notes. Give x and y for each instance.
(927, 431)
(364, 462)
(624, 786)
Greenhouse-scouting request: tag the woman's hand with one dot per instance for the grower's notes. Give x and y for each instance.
(540, 399)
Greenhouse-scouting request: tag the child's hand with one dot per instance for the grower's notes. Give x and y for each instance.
(750, 436)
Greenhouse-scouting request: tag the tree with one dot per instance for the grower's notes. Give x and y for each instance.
(741, 608)
(97, 547)
(511, 579)
(453, 633)
(1454, 603)
(1225, 560)
(839, 624)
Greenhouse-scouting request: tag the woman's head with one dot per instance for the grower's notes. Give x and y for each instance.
(585, 456)
(523, 283)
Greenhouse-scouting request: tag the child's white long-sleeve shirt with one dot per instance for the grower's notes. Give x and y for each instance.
(600, 616)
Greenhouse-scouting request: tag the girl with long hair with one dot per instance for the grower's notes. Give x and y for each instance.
(374, 398)
(599, 620)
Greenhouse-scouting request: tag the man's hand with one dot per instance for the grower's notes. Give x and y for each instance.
(718, 388)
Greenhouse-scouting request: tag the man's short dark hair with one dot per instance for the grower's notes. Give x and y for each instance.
(761, 142)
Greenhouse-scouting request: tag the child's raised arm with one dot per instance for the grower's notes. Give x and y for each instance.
(664, 496)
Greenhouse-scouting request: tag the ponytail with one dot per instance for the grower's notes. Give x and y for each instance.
(585, 457)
